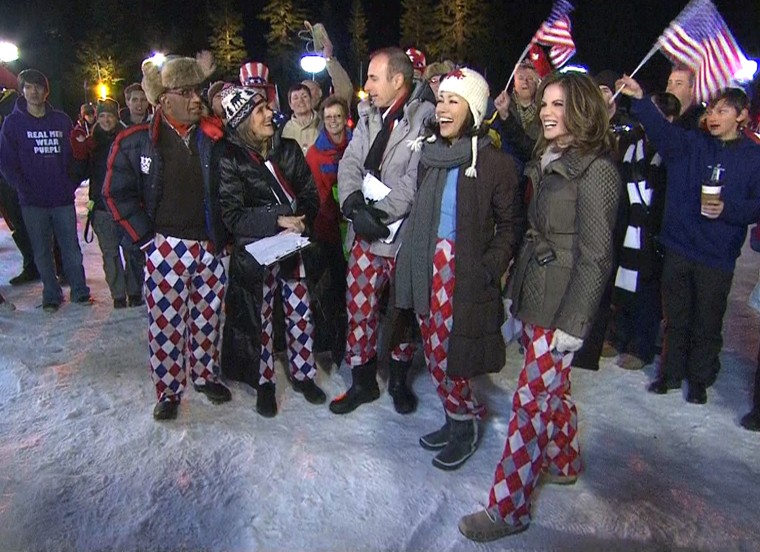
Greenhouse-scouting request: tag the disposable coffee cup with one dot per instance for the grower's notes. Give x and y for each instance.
(709, 195)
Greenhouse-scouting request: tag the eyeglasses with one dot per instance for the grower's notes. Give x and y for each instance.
(435, 80)
(186, 92)
(333, 117)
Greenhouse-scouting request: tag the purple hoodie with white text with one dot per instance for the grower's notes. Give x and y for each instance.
(35, 156)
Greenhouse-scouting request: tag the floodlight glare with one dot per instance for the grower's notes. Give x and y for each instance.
(312, 63)
(158, 59)
(747, 72)
(8, 52)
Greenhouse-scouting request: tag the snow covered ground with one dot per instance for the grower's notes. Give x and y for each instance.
(83, 466)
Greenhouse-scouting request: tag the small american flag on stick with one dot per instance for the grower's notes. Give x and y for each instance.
(556, 33)
(700, 39)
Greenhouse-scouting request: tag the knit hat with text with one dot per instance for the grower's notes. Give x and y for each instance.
(238, 102)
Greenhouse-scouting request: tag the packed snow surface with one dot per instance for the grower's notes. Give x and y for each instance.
(84, 467)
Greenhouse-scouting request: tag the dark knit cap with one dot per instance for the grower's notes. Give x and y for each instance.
(32, 76)
(216, 88)
(606, 78)
(109, 105)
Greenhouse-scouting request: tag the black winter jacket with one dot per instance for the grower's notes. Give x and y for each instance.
(249, 206)
(135, 180)
(97, 164)
(250, 210)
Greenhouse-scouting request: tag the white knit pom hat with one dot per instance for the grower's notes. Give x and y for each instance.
(471, 86)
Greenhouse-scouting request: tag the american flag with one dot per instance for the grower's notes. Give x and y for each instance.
(700, 39)
(555, 33)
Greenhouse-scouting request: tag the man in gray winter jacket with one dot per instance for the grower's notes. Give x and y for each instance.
(378, 157)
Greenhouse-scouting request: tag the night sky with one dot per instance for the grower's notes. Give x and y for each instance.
(609, 34)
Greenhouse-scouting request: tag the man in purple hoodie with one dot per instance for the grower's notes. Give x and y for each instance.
(36, 160)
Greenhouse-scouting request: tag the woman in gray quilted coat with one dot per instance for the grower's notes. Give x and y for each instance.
(558, 282)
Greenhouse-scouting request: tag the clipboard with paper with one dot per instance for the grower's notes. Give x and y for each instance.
(272, 249)
(374, 190)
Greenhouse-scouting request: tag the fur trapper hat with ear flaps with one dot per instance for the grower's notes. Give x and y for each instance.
(175, 72)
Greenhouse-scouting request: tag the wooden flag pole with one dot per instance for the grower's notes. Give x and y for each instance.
(522, 57)
(647, 57)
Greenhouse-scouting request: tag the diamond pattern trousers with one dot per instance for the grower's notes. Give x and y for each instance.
(298, 318)
(185, 285)
(367, 276)
(435, 327)
(542, 432)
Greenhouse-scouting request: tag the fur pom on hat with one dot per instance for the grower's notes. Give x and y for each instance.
(175, 72)
(471, 86)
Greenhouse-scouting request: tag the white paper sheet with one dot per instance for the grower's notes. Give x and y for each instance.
(374, 190)
(268, 251)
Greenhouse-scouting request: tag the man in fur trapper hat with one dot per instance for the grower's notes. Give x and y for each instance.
(159, 188)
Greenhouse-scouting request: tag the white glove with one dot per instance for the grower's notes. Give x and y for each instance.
(563, 342)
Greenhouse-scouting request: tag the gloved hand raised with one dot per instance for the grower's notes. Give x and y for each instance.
(368, 223)
(563, 342)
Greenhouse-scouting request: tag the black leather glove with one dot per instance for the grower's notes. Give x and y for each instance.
(367, 224)
(353, 202)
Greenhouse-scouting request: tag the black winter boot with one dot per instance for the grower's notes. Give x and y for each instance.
(266, 403)
(165, 410)
(310, 390)
(463, 442)
(216, 391)
(404, 400)
(437, 439)
(363, 389)
(751, 421)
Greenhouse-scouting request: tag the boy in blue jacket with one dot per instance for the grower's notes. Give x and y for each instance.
(702, 239)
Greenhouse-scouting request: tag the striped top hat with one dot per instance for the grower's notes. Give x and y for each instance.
(254, 73)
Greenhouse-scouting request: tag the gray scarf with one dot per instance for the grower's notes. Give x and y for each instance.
(414, 266)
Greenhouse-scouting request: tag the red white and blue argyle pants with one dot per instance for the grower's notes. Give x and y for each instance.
(543, 428)
(366, 278)
(455, 393)
(298, 319)
(185, 285)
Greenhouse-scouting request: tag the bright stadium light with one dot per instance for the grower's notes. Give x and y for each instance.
(102, 91)
(8, 52)
(747, 72)
(313, 63)
(157, 59)
(573, 69)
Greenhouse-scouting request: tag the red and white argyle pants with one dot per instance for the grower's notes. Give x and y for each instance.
(543, 428)
(298, 320)
(366, 278)
(185, 285)
(435, 327)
